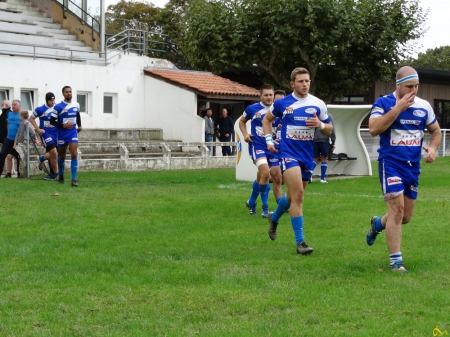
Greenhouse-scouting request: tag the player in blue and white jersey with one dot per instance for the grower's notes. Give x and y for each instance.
(48, 135)
(301, 113)
(66, 118)
(400, 119)
(258, 150)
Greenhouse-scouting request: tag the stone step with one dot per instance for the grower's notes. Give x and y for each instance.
(122, 135)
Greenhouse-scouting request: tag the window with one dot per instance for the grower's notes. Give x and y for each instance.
(26, 100)
(83, 100)
(442, 111)
(109, 104)
(349, 100)
(4, 94)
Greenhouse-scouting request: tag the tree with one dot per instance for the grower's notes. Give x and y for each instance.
(131, 15)
(345, 44)
(437, 58)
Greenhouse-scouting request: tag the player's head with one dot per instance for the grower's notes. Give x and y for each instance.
(300, 82)
(278, 94)
(67, 93)
(24, 115)
(16, 105)
(50, 99)
(407, 81)
(266, 94)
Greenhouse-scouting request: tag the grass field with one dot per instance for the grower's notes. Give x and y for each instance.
(176, 254)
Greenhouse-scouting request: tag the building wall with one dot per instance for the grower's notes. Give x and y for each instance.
(428, 92)
(139, 101)
(174, 110)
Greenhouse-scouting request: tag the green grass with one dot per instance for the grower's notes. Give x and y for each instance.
(176, 254)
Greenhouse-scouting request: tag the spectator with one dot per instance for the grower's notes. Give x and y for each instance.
(13, 123)
(209, 127)
(3, 123)
(226, 129)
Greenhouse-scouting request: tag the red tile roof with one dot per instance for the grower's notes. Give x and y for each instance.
(205, 84)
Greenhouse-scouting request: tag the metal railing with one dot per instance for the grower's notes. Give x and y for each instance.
(84, 17)
(151, 44)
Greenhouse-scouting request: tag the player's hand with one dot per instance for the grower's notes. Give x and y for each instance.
(68, 125)
(431, 154)
(40, 131)
(271, 148)
(406, 101)
(248, 138)
(313, 122)
(79, 129)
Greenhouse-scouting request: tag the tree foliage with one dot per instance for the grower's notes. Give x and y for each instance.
(345, 44)
(437, 58)
(131, 15)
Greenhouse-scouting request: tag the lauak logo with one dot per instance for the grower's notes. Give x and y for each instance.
(437, 332)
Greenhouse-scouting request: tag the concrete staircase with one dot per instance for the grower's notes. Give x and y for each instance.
(24, 31)
(136, 150)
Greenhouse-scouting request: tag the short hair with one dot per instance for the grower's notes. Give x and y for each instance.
(265, 87)
(24, 114)
(208, 109)
(17, 101)
(279, 92)
(298, 71)
(65, 87)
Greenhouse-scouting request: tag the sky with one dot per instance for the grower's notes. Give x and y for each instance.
(438, 24)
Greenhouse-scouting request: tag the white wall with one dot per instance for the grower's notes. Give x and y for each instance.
(174, 110)
(141, 101)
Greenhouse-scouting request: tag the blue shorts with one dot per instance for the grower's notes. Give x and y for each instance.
(49, 140)
(320, 149)
(67, 137)
(398, 177)
(287, 163)
(256, 152)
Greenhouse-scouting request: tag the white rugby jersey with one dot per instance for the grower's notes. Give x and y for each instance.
(256, 113)
(403, 139)
(296, 137)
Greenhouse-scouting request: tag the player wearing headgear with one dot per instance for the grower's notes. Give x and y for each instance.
(400, 120)
(66, 117)
(48, 134)
(301, 113)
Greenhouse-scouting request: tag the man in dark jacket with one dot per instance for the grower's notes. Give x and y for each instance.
(3, 117)
(3, 121)
(226, 129)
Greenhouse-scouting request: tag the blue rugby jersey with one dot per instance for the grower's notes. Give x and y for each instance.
(44, 114)
(13, 124)
(296, 137)
(66, 113)
(256, 113)
(403, 139)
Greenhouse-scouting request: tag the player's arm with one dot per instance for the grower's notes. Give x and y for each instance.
(79, 128)
(267, 129)
(35, 125)
(243, 127)
(380, 123)
(315, 122)
(435, 140)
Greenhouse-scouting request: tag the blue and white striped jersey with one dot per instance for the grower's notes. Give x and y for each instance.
(256, 113)
(403, 139)
(44, 114)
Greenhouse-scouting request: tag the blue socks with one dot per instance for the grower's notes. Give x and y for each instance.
(323, 170)
(297, 226)
(255, 194)
(264, 190)
(74, 168)
(378, 226)
(283, 206)
(61, 166)
(41, 159)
